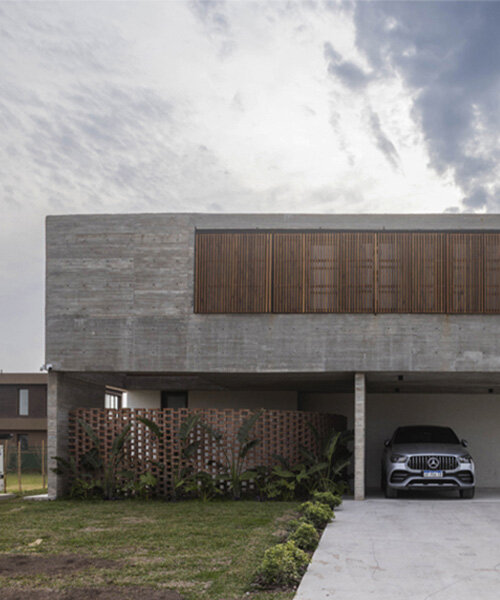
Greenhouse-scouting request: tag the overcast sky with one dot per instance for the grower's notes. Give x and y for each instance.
(235, 106)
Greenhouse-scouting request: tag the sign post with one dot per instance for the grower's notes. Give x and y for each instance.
(2, 480)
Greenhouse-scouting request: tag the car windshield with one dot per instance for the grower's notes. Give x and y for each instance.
(425, 435)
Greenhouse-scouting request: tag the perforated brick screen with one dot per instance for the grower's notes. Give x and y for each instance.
(280, 432)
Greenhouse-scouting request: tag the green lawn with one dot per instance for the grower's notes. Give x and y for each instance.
(202, 550)
(30, 482)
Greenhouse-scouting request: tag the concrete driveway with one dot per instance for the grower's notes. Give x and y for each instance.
(413, 548)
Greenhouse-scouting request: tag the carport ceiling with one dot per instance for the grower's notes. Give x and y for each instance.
(380, 383)
(433, 383)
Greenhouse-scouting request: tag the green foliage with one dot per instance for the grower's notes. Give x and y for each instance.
(200, 484)
(305, 536)
(291, 481)
(282, 566)
(332, 500)
(97, 475)
(261, 477)
(143, 488)
(279, 488)
(183, 474)
(332, 460)
(316, 513)
(232, 469)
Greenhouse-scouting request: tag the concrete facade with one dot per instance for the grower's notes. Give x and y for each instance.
(120, 312)
(120, 299)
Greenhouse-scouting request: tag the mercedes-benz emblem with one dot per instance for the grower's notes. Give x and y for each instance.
(433, 462)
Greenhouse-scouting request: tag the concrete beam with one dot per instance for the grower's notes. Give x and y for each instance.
(359, 435)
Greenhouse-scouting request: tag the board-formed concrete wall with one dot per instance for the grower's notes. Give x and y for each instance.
(120, 298)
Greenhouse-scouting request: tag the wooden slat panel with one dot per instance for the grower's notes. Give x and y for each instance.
(358, 268)
(393, 272)
(358, 272)
(289, 273)
(233, 272)
(428, 289)
(323, 274)
(465, 273)
(492, 272)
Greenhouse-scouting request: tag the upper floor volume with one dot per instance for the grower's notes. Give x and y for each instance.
(450, 272)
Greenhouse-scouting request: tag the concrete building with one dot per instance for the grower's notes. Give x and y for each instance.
(387, 319)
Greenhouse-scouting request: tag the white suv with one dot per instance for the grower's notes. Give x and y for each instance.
(421, 457)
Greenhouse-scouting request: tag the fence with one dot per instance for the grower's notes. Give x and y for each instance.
(280, 433)
(25, 468)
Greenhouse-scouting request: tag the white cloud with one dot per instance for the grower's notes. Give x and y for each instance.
(120, 107)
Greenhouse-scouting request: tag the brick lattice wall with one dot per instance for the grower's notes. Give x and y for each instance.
(280, 432)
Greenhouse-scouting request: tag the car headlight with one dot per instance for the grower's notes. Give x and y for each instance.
(398, 458)
(466, 458)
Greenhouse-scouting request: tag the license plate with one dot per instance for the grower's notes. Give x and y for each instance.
(433, 474)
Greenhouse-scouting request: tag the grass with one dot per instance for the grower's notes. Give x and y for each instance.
(30, 482)
(202, 550)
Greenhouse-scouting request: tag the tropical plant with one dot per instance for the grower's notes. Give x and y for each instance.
(331, 459)
(294, 480)
(83, 485)
(282, 565)
(202, 485)
(97, 473)
(143, 487)
(232, 470)
(261, 477)
(106, 469)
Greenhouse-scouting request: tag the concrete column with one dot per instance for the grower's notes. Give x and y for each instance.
(359, 435)
(64, 394)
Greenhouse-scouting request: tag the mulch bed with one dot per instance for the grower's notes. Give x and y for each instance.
(101, 593)
(12, 565)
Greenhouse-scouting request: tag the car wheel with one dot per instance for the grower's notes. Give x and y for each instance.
(390, 492)
(468, 493)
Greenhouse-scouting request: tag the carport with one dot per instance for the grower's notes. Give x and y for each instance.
(467, 402)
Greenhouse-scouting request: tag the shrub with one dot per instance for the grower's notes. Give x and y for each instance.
(282, 565)
(316, 513)
(305, 536)
(332, 500)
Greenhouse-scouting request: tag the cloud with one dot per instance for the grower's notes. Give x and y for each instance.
(447, 53)
(384, 144)
(349, 73)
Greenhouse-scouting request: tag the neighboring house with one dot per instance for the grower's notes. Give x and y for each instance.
(387, 319)
(23, 408)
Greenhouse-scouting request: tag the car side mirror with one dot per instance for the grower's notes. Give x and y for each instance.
(464, 443)
(387, 443)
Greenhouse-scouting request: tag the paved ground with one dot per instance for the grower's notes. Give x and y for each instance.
(414, 548)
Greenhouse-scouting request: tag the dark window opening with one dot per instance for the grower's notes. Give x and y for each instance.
(173, 399)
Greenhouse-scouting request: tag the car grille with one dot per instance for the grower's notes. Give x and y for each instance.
(446, 463)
